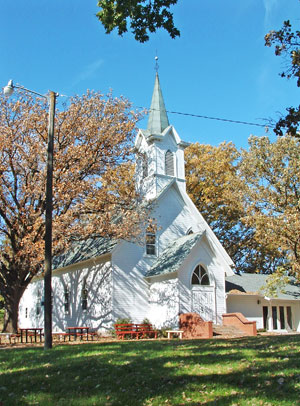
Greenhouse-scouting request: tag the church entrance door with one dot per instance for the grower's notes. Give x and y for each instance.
(203, 302)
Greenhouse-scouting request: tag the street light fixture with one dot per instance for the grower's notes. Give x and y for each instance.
(51, 98)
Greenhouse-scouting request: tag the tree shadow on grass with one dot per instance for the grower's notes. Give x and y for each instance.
(135, 373)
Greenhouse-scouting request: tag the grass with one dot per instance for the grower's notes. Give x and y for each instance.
(248, 371)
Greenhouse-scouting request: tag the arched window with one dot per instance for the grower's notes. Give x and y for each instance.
(200, 276)
(190, 231)
(169, 163)
(150, 240)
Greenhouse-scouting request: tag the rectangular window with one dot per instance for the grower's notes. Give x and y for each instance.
(39, 302)
(281, 317)
(265, 317)
(67, 301)
(289, 317)
(274, 317)
(150, 240)
(84, 296)
(150, 244)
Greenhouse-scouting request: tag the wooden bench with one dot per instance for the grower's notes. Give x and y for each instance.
(146, 330)
(134, 330)
(126, 329)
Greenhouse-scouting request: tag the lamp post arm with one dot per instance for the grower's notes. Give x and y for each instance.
(30, 91)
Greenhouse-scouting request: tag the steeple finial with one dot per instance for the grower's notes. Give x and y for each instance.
(158, 119)
(156, 63)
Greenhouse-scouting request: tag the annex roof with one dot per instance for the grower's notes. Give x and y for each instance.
(83, 251)
(254, 284)
(174, 255)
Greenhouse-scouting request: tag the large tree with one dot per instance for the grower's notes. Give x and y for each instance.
(93, 185)
(287, 45)
(271, 175)
(214, 185)
(144, 16)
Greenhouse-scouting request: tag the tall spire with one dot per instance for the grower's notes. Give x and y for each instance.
(158, 119)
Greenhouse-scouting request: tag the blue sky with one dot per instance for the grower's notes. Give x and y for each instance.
(219, 67)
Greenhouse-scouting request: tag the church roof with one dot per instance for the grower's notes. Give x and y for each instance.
(158, 119)
(254, 284)
(84, 250)
(174, 255)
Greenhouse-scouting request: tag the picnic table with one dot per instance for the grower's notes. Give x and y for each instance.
(78, 331)
(32, 333)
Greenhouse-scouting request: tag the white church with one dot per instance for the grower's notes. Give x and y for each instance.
(181, 268)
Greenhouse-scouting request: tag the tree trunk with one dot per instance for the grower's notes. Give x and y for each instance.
(11, 306)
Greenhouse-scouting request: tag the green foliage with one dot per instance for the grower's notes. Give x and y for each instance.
(124, 320)
(287, 45)
(245, 372)
(162, 333)
(144, 15)
(276, 283)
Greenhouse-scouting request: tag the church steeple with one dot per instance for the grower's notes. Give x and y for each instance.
(158, 119)
(160, 151)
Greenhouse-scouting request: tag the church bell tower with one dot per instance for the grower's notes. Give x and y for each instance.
(159, 150)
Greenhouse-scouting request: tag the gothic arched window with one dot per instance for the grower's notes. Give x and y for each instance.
(169, 163)
(200, 276)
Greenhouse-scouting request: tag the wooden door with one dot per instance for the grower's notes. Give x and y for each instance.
(203, 302)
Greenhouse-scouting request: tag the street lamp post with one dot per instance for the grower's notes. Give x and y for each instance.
(51, 98)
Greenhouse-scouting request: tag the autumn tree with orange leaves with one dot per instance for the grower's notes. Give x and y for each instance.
(93, 183)
(271, 174)
(221, 193)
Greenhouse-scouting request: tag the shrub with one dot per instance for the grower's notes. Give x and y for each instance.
(146, 321)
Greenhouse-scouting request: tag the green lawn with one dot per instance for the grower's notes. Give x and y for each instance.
(248, 371)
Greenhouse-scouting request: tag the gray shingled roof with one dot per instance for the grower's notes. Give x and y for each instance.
(174, 255)
(255, 283)
(84, 250)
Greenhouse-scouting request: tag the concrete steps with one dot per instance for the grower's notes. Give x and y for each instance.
(227, 331)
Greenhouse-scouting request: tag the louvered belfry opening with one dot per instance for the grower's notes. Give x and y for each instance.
(169, 163)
